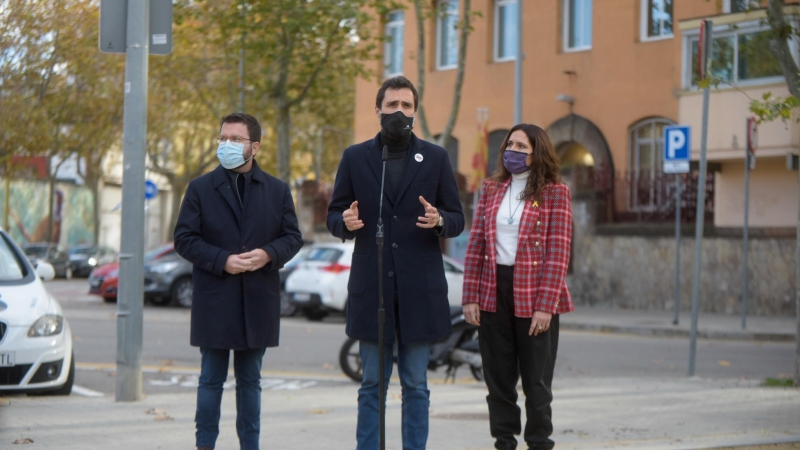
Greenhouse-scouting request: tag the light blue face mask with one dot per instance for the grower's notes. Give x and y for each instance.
(231, 155)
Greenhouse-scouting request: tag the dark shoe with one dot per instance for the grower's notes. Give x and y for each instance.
(204, 448)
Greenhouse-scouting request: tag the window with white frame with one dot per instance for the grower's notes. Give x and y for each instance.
(505, 30)
(577, 25)
(656, 19)
(740, 55)
(393, 48)
(644, 163)
(735, 6)
(447, 35)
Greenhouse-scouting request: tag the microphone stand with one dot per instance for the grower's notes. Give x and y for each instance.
(381, 312)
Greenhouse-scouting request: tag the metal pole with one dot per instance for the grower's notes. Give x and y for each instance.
(518, 69)
(797, 290)
(129, 305)
(677, 247)
(8, 197)
(746, 234)
(701, 203)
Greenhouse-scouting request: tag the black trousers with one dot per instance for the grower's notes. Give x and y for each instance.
(509, 353)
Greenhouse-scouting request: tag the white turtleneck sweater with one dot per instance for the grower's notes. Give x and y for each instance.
(508, 233)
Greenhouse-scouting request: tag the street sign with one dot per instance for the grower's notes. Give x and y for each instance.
(150, 190)
(677, 149)
(113, 26)
(752, 141)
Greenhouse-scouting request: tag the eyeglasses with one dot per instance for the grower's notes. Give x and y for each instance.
(234, 139)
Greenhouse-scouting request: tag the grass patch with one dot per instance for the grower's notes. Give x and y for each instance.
(778, 382)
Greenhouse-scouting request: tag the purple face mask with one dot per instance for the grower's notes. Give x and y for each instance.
(515, 161)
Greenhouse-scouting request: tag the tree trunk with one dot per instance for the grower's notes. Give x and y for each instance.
(779, 45)
(462, 61)
(423, 121)
(284, 129)
(50, 208)
(178, 190)
(95, 187)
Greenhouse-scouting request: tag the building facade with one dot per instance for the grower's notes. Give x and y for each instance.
(604, 78)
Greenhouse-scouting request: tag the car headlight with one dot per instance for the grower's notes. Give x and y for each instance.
(164, 267)
(113, 274)
(92, 262)
(47, 326)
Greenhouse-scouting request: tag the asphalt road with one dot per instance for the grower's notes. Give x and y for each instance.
(308, 354)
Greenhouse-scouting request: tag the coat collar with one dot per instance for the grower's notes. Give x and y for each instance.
(373, 156)
(222, 183)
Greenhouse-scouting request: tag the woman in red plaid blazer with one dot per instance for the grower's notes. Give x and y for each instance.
(514, 283)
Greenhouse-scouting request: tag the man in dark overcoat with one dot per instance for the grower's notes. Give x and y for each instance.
(237, 226)
(421, 205)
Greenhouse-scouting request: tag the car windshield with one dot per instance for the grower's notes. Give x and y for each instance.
(154, 253)
(11, 268)
(83, 251)
(298, 258)
(324, 254)
(35, 251)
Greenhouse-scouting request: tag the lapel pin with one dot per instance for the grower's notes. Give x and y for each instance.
(535, 204)
(418, 157)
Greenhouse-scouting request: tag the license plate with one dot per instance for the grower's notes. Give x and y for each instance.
(6, 360)
(96, 283)
(300, 297)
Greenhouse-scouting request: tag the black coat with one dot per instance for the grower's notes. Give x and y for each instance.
(241, 311)
(412, 257)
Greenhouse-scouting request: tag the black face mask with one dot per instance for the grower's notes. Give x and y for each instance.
(396, 127)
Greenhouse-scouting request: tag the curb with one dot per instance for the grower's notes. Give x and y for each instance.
(669, 332)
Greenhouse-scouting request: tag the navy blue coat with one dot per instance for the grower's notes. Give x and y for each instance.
(240, 311)
(412, 257)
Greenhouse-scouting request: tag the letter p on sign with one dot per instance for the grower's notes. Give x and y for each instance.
(676, 149)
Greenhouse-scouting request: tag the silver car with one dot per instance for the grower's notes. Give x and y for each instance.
(168, 281)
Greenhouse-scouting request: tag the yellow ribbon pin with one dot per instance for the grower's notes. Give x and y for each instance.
(535, 204)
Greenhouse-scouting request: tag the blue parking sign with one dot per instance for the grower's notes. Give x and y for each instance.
(677, 149)
(150, 190)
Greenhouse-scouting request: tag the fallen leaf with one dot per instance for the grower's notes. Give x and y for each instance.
(24, 441)
(724, 363)
(318, 411)
(328, 366)
(161, 418)
(155, 412)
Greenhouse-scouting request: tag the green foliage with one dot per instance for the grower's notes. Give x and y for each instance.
(778, 382)
(771, 108)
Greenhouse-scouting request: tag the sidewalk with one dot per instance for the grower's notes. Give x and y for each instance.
(659, 323)
(589, 413)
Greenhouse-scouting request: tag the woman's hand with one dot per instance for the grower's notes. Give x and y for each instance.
(472, 314)
(540, 323)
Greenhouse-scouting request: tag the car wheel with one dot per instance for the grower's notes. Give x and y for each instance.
(66, 389)
(109, 299)
(68, 273)
(316, 315)
(182, 292)
(350, 360)
(287, 308)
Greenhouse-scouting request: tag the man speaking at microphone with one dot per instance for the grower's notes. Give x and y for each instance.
(420, 205)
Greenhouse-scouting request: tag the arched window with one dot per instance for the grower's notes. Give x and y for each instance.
(452, 151)
(646, 142)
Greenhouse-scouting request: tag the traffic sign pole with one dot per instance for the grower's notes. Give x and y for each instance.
(706, 28)
(677, 153)
(131, 272)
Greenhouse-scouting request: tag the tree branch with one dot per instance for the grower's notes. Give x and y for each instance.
(423, 120)
(779, 45)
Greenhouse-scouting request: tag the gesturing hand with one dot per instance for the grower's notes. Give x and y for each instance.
(472, 313)
(431, 218)
(351, 217)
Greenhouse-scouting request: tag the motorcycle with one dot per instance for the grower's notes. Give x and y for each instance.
(460, 348)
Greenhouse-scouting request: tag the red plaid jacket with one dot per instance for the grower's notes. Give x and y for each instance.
(543, 250)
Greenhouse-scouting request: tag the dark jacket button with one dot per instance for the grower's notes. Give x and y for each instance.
(394, 245)
(394, 218)
(391, 274)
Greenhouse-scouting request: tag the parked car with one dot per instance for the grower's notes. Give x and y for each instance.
(104, 280)
(85, 258)
(319, 284)
(287, 307)
(35, 338)
(51, 253)
(168, 280)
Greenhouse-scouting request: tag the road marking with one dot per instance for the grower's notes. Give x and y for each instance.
(86, 392)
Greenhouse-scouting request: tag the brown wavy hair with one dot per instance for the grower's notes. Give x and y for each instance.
(545, 166)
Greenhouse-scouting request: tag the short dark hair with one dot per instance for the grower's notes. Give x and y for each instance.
(399, 82)
(253, 127)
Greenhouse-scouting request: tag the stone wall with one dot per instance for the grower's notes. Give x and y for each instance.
(633, 270)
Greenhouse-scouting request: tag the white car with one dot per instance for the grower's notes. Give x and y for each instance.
(319, 284)
(35, 339)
